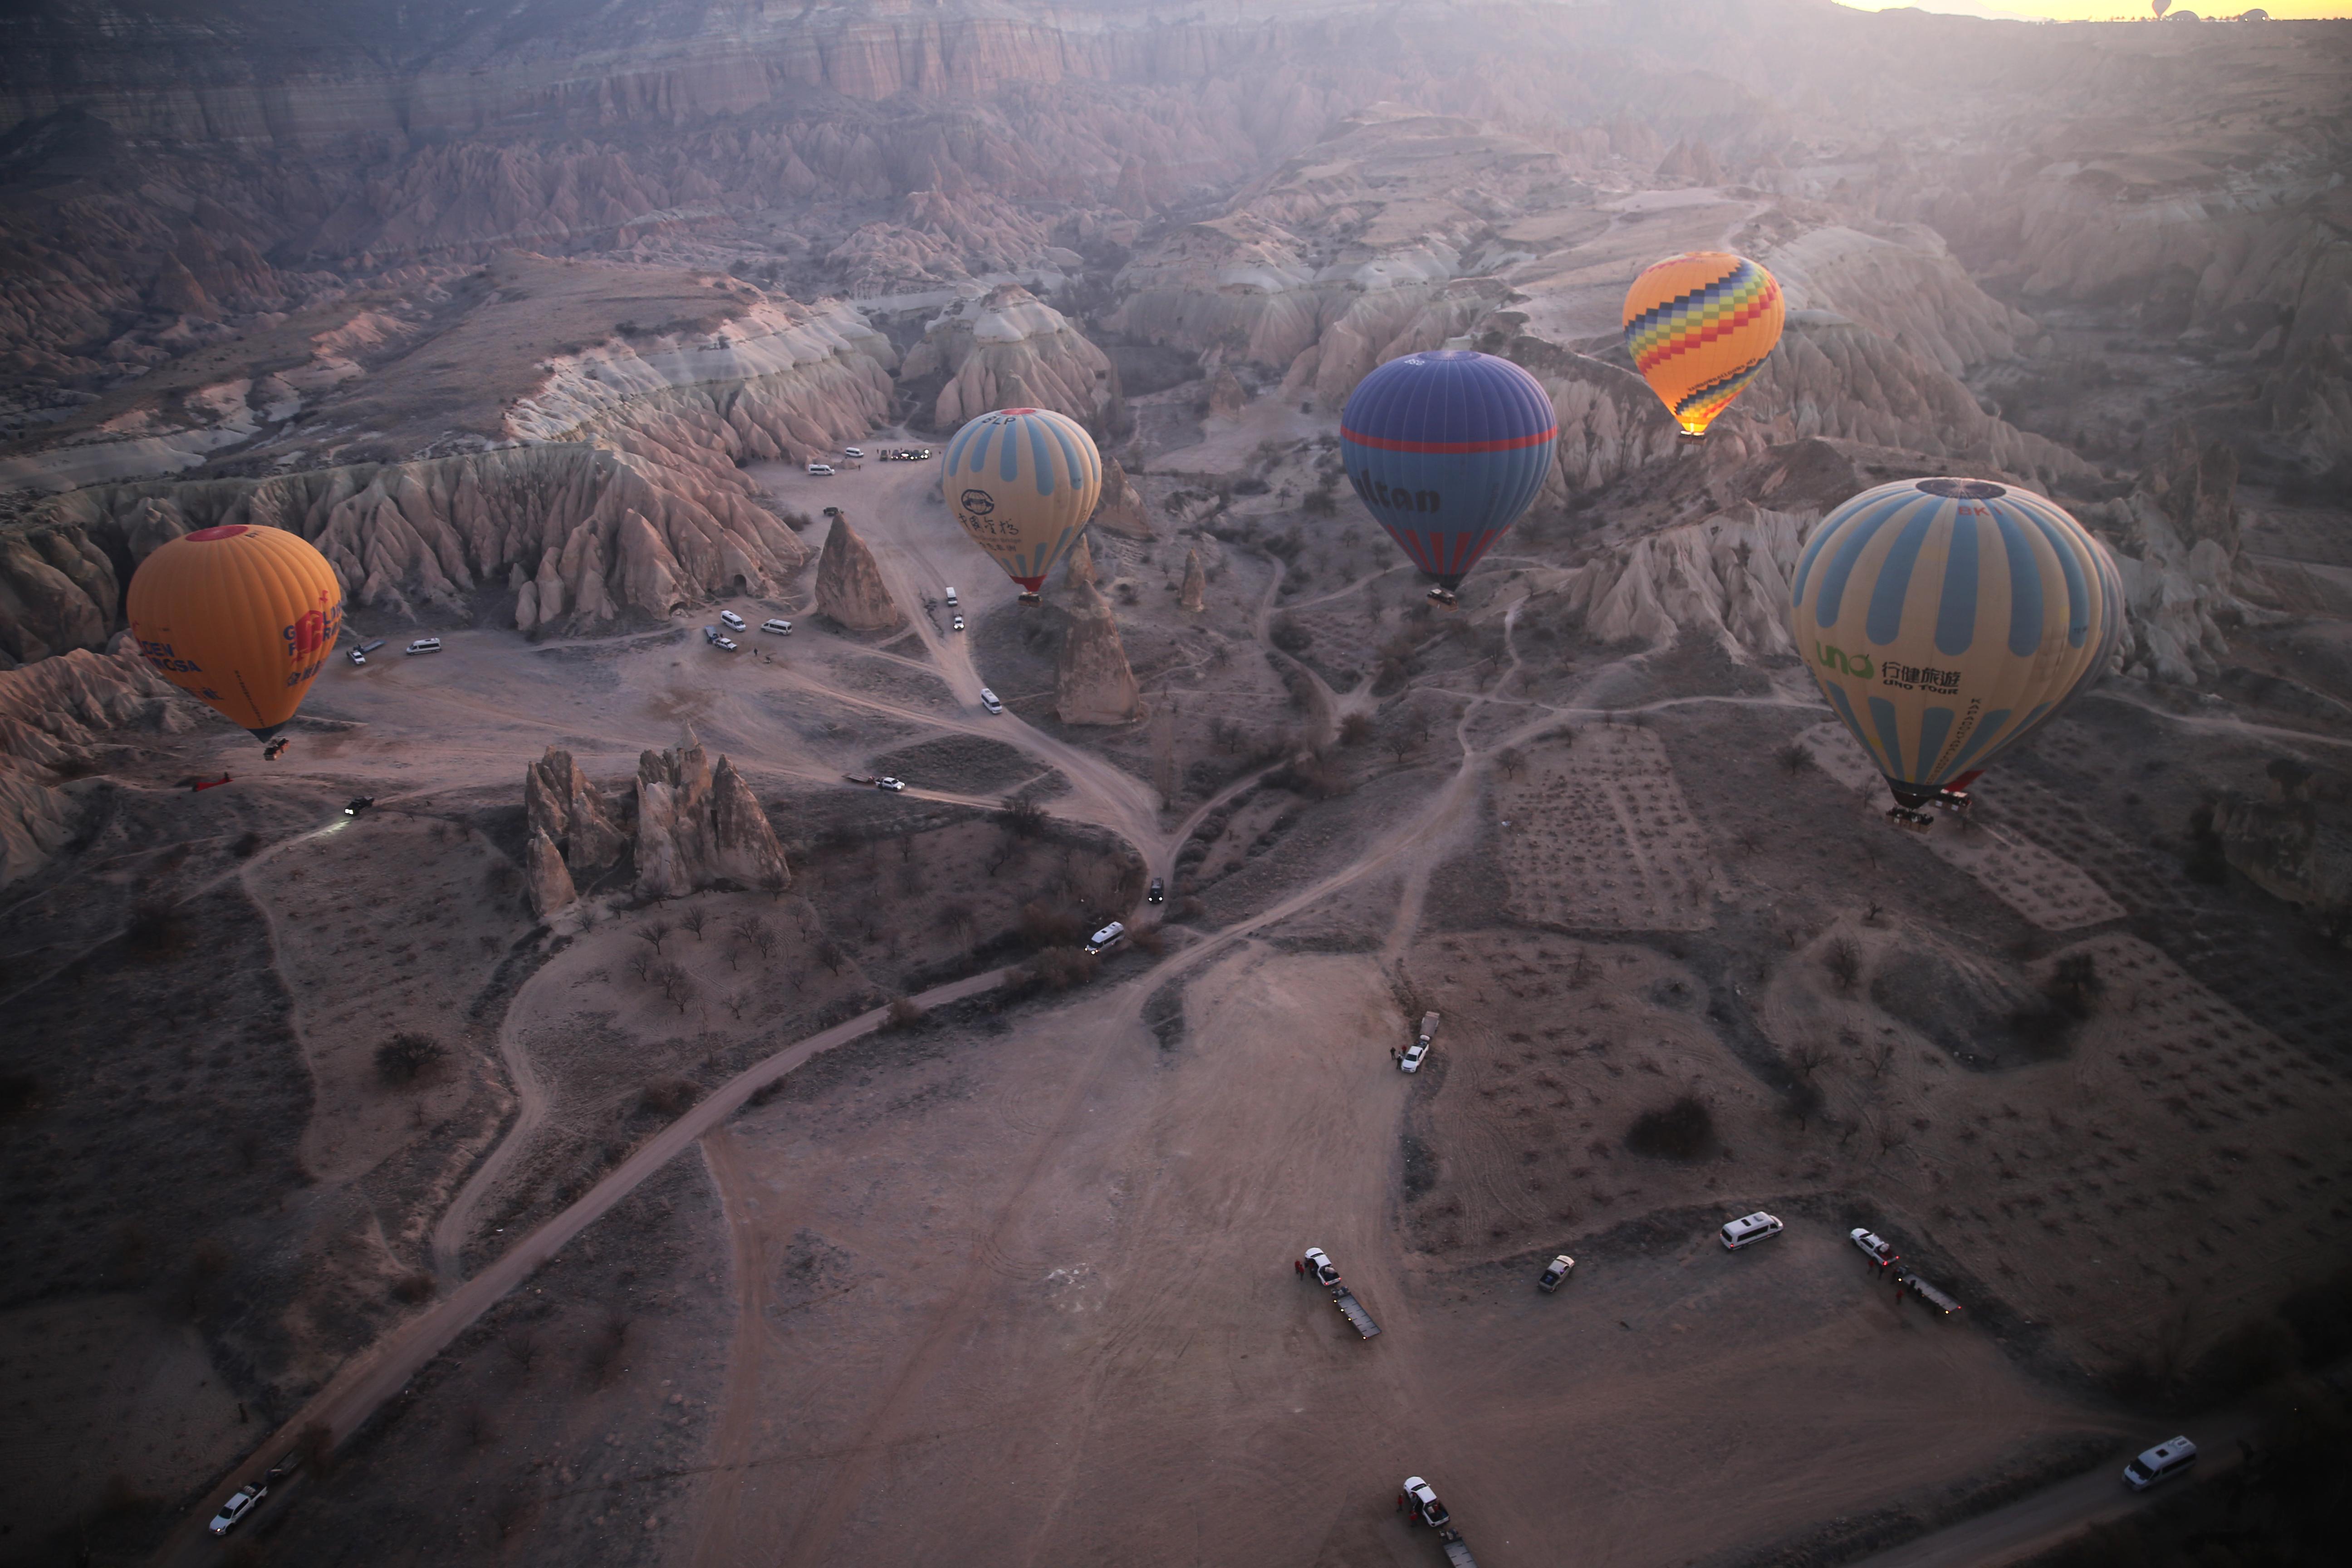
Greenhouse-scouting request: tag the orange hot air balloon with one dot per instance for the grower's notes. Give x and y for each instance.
(1699, 326)
(239, 617)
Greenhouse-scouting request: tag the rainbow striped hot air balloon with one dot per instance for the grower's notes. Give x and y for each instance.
(1699, 326)
(1947, 618)
(1446, 450)
(1023, 482)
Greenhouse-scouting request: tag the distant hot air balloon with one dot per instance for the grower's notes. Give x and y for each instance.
(2159, 7)
(1446, 450)
(1023, 482)
(1944, 619)
(1699, 326)
(240, 616)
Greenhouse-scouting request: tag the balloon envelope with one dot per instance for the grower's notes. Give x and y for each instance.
(1023, 482)
(1446, 450)
(240, 618)
(1944, 618)
(1699, 326)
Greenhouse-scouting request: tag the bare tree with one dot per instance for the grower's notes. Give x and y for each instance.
(758, 934)
(773, 884)
(828, 952)
(1401, 744)
(1511, 761)
(694, 919)
(675, 984)
(1808, 1056)
(1843, 960)
(736, 1002)
(641, 964)
(654, 932)
(1795, 758)
(956, 918)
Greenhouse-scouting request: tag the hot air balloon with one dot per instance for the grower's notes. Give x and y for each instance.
(2159, 7)
(1023, 482)
(241, 617)
(1699, 326)
(1446, 450)
(1944, 619)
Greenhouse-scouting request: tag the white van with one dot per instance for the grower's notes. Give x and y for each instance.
(821, 470)
(851, 452)
(2161, 1463)
(424, 645)
(988, 700)
(951, 598)
(1749, 1228)
(734, 622)
(1110, 936)
(782, 628)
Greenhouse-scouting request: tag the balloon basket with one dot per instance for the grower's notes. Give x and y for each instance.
(1954, 800)
(1688, 439)
(1032, 599)
(1903, 816)
(1443, 598)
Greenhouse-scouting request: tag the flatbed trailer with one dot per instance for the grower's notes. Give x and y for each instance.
(1928, 1293)
(1353, 1311)
(1457, 1550)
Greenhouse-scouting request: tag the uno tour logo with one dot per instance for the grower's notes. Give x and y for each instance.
(980, 503)
(1859, 666)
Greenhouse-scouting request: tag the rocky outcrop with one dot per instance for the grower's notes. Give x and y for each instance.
(2175, 539)
(1121, 509)
(564, 806)
(546, 882)
(53, 716)
(2288, 846)
(699, 826)
(583, 534)
(1092, 681)
(849, 586)
(1009, 349)
(1078, 567)
(1194, 594)
(1689, 162)
(1726, 577)
(57, 591)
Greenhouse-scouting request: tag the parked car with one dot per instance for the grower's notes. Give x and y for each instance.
(719, 639)
(951, 598)
(782, 628)
(734, 622)
(821, 470)
(955, 623)
(358, 803)
(1414, 1054)
(1422, 1499)
(1556, 1273)
(240, 1503)
(1319, 1267)
(1158, 892)
(1110, 936)
(426, 645)
(2161, 1463)
(886, 782)
(852, 452)
(1749, 1228)
(360, 653)
(988, 700)
(1873, 1247)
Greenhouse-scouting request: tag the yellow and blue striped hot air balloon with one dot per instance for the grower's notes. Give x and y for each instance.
(1699, 326)
(1023, 482)
(1944, 618)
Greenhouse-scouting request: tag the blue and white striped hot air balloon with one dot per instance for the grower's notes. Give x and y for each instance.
(1024, 483)
(1945, 618)
(1446, 450)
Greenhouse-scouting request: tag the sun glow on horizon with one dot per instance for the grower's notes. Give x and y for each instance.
(2113, 10)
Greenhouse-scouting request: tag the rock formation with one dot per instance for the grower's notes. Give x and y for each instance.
(2286, 845)
(1078, 567)
(1121, 509)
(564, 806)
(1226, 396)
(2176, 541)
(1193, 595)
(849, 586)
(53, 715)
(546, 880)
(699, 826)
(57, 591)
(1009, 349)
(1092, 681)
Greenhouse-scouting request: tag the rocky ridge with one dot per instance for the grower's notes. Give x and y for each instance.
(54, 715)
(689, 825)
(1009, 339)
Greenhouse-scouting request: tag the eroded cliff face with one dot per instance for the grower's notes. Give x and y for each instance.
(53, 715)
(1008, 339)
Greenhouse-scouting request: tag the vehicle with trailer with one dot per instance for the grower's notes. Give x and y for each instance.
(1418, 1500)
(1316, 1264)
(360, 653)
(1556, 1273)
(893, 786)
(719, 639)
(239, 1505)
(1422, 1038)
(1748, 1229)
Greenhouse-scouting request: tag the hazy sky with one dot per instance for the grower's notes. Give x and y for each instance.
(2098, 10)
